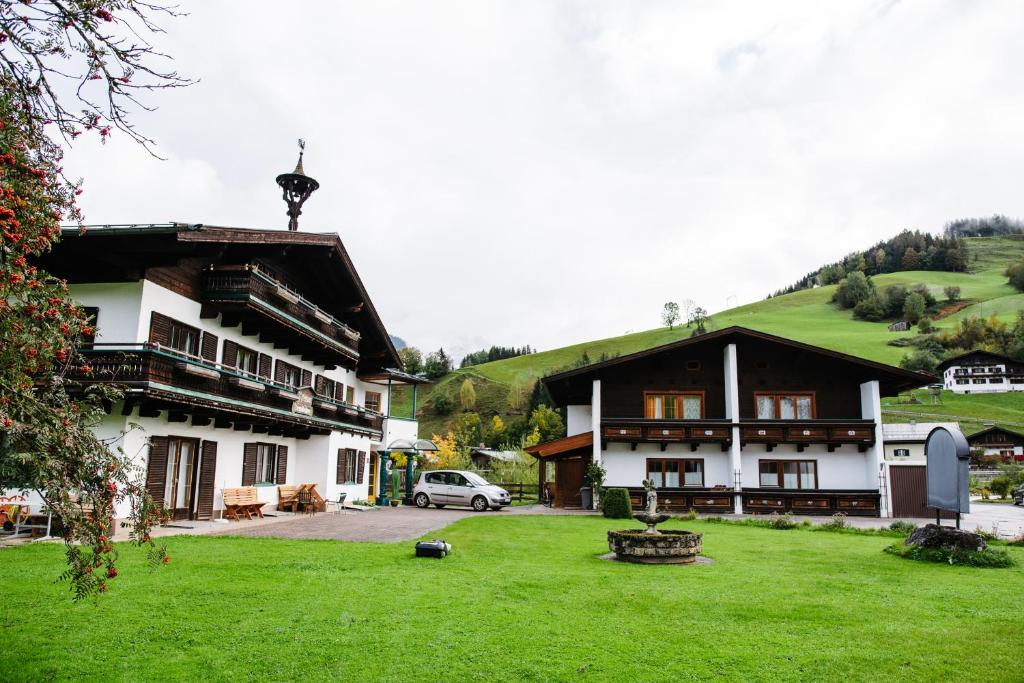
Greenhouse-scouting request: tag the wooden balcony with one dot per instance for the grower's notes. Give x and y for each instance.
(811, 501)
(664, 432)
(680, 499)
(157, 379)
(832, 433)
(245, 295)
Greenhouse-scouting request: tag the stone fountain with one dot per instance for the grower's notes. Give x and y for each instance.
(650, 546)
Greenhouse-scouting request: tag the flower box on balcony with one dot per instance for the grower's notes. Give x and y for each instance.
(249, 384)
(282, 392)
(197, 370)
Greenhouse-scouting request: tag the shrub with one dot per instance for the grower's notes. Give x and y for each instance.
(616, 504)
(952, 293)
(443, 405)
(1000, 486)
(871, 309)
(903, 527)
(1015, 273)
(786, 521)
(837, 523)
(919, 360)
(853, 289)
(924, 325)
(913, 307)
(691, 515)
(988, 558)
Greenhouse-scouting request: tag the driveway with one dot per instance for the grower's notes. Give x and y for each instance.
(386, 525)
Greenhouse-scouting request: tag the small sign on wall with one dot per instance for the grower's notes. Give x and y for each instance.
(304, 403)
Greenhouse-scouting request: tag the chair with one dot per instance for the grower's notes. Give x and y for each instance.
(304, 499)
(287, 497)
(339, 504)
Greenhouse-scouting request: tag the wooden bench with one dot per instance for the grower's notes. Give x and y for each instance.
(288, 497)
(242, 502)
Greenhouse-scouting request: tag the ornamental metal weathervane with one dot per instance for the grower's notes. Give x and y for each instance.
(297, 187)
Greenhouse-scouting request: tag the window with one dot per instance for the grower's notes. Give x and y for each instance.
(673, 473)
(247, 360)
(347, 466)
(901, 452)
(436, 478)
(789, 406)
(978, 381)
(372, 401)
(788, 474)
(266, 463)
(670, 405)
(184, 338)
(288, 374)
(178, 483)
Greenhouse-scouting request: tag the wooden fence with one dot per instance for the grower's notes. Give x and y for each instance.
(521, 491)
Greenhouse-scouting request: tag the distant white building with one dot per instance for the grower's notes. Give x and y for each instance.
(981, 372)
(904, 441)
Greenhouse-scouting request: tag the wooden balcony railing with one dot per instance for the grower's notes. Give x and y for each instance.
(148, 369)
(832, 433)
(244, 292)
(695, 432)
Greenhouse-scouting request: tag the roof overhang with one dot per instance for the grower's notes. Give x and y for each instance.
(562, 446)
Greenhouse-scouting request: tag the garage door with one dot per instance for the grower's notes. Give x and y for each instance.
(910, 493)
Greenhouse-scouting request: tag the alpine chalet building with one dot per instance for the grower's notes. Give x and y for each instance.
(730, 421)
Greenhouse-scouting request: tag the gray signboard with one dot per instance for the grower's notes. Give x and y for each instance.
(947, 470)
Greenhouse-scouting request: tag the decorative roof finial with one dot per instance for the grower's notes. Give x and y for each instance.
(297, 187)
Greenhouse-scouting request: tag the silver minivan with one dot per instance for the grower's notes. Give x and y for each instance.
(457, 487)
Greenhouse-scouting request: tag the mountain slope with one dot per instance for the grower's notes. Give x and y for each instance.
(805, 315)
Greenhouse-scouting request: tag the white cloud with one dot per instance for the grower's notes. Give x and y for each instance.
(566, 168)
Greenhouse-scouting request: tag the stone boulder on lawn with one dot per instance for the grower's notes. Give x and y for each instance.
(948, 538)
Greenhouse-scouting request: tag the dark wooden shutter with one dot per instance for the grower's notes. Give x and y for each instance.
(361, 464)
(340, 474)
(209, 347)
(207, 475)
(282, 464)
(266, 362)
(279, 371)
(156, 470)
(249, 464)
(339, 392)
(159, 329)
(230, 353)
(307, 378)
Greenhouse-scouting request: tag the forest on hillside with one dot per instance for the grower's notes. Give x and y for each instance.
(911, 250)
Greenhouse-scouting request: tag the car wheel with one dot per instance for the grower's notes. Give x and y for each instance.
(422, 500)
(479, 503)
(439, 506)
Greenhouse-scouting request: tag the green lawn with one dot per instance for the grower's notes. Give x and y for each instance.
(521, 598)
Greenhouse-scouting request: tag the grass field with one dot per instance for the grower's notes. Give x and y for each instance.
(972, 411)
(806, 316)
(521, 599)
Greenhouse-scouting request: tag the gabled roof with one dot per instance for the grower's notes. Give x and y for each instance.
(123, 252)
(894, 379)
(958, 360)
(995, 429)
(563, 445)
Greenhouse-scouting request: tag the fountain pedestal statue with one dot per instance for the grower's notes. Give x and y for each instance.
(650, 546)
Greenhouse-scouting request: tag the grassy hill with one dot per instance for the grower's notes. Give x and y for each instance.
(806, 316)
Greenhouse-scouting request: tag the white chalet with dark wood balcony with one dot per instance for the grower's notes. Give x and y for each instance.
(730, 421)
(248, 358)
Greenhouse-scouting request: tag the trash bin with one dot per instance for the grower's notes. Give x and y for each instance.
(587, 497)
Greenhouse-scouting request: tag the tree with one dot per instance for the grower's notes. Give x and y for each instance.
(952, 293)
(547, 423)
(670, 314)
(516, 395)
(699, 319)
(78, 65)
(853, 289)
(909, 261)
(919, 360)
(412, 360)
(448, 455)
(496, 433)
(1015, 273)
(913, 307)
(467, 395)
(437, 364)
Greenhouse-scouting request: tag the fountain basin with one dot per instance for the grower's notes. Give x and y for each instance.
(663, 547)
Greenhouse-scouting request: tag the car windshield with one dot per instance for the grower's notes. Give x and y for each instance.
(476, 480)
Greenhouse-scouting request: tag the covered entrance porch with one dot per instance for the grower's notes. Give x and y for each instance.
(561, 467)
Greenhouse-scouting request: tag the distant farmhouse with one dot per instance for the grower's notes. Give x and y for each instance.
(981, 372)
(1007, 444)
(735, 421)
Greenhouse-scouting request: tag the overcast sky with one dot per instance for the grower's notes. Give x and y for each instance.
(548, 173)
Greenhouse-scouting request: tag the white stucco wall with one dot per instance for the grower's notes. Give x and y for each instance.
(844, 468)
(578, 420)
(629, 468)
(120, 304)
